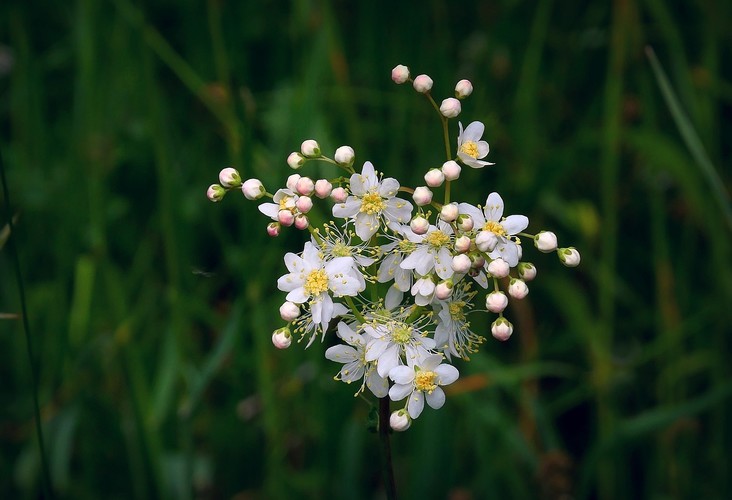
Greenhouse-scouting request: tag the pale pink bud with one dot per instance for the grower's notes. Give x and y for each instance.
(399, 420)
(546, 241)
(305, 186)
(461, 263)
(422, 196)
(292, 182)
(463, 89)
(465, 222)
(501, 329)
(252, 189)
(478, 261)
(289, 311)
(339, 195)
(434, 178)
(527, 271)
(450, 107)
(451, 170)
(304, 204)
(345, 155)
(273, 229)
(486, 241)
(462, 244)
(285, 217)
(281, 338)
(419, 225)
(443, 290)
(301, 222)
(400, 74)
(449, 212)
(498, 268)
(518, 289)
(570, 257)
(295, 160)
(422, 84)
(215, 193)
(323, 188)
(496, 302)
(310, 148)
(229, 177)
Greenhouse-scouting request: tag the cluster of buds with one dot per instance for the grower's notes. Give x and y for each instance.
(397, 279)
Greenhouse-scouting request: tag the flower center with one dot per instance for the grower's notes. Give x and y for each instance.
(316, 282)
(437, 239)
(456, 310)
(406, 246)
(372, 203)
(470, 148)
(340, 249)
(425, 381)
(495, 228)
(286, 203)
(401, 334)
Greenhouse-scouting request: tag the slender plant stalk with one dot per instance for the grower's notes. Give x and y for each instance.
(387, 464)
(47, 486)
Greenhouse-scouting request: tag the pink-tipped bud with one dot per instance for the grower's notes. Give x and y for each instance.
(304, 204)
(400, 74)
(399, 420)
(518, 289)
(419, 225)
(443, 290)
(570, 257)
(281, 338)
(461, 263)
(462, 244)
(301, 222)
(285, 217)
(501, 329)
(339, 195)
(527, 271)
(273, 229)
(463, 89)
(215, 193)
(422, 196)
(498, 268)
(295, 160)
(229, 177)
(496, 302)
(449, 212)
(292, 182)
(310, 148)
(465, 222)
(450, 107)
(545, 241)
(486, 241)
(289, 311)
(305, 186)
(451, 170)
(252, 189)
(345, 155)
(434, 178)
(422, 84)
(323, 188)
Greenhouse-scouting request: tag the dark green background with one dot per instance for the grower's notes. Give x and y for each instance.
(151, 309)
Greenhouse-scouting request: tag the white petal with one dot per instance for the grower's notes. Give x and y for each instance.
(347, 333)
(378, 385)
(447, 374)
(398, 210)
(339, 265)
(493, 207)
(290, 282)
(431, 362)
(402, 374)
(473, 212)
(443, 263)
(483, 149)
(352, 371)
(393, 298)
(316, 308)
(369, 175)
(298, 295)
(413, 260)
(515, 223)
(341, 353)
(311, 256)
(375, 348)
(403, 280)
(388, 187)
(436, 399)
(473, 132)
(347, 209)
(416, 404)
(269, 209)
(366, 225)
(388, 360)
(387, 268)
(399, 392)
(294, 262)
(327, 311)
(507, 251)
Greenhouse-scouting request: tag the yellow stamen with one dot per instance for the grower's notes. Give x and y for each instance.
(495, 228)
(437, 239)
(425, 381)
(470, 148)
(372, 203)
(316, 282)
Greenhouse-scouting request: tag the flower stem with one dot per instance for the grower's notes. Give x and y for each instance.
(387, 465)
(354, 309)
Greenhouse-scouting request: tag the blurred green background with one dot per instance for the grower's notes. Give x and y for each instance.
(151, 309)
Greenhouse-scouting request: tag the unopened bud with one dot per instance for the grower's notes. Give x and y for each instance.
(400, 74)
(400, 420)
(345, 155)
(486, 241)
(546, 241)
(422, 196)
(443, 290)
(478, 261)
(450, 107)
(465, 222)
(461, 263)
(518, 289)
(252, 189)
(339, 195)
(292, 182)
(323, 188)
(498, 268)
(496, 302)
(281, 338)
(449, 212)
(422, 84)
(229, 177)
(305, 186)
(289, 311)
(304, 204)
(301, 222)
(285, 217)
(463, 89)
(215, 193)
(527, 271)
(434, 177)
(462, 244)
(501, 329)
(273, 229)
(419, 225)
(570, 257)
(295, 160)
(451, 170)
(310, 148)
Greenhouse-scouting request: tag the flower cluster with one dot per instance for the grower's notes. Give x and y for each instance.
(398, 275)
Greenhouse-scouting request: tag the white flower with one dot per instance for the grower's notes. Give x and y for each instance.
(470, 148)
(453, 334)
(372, 201)
(312, 280)
(390, 267)
(432, 252)
(335, 243)
(491, 219)
(355, 366)
(283, 199)
(422, 383)
(393, 341)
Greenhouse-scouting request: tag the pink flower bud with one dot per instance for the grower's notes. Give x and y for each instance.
(292, 182)
(502, 329)
(301, 222)
(252, 189)
(285, 217)
(273, 229)
(422, 196)
(305, 186)
(422, 84)
(304, 204)
(465, 222)
(289, 311)
(449, 212)
(434, 178)
(345, 155)
(323, 188)
(229, 177)
(498, 268)
(339, 195)
(400, 74)
(451, 170)
(478, 261)
(463, 89)
(486, 241)
(443, 290)
(295, 160)
(310, 148)
(281, 338)
(215, 193)
(518, 289)
(527, 271)
(496, 302)
(450, 107)
(419, 225)
(461, 263)
(462, 244)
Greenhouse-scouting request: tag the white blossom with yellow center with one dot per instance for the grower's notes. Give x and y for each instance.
(490, 218)
(422, 383)
(283, 199)
(452, 333)
(312, 280)
(355, 365)
(470, 148)
(433, 251)
(392, 340)
(373, 202)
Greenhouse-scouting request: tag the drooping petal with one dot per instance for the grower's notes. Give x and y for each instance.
(515, 223)
(298, 296)
(403, 280)
(393, 298)
(447, 374)
(416, 404)
(443, 263)
(493, 209)
(388, 268)
(388, 360)
(327, 311)
(436, 398)
(378, 385)
(316, 308)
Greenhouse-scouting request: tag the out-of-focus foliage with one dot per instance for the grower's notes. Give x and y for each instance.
(151, 309)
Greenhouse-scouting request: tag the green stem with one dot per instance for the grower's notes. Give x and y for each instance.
(354, 309)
